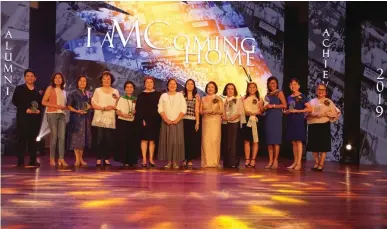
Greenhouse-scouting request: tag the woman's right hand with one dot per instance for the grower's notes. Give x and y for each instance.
(60, 107)
(167, 121)
(82, 112)
(143, 123)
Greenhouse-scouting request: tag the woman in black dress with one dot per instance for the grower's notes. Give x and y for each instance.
(148, 119)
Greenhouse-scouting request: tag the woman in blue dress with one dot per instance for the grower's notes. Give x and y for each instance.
(274, 103)
(295, 121)
(78, 103)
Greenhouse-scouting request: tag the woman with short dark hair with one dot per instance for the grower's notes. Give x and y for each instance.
(232, 116)
(104, 103)
(78, 102)
(212, 110)
(172, 108)
(295, 121)
(252, 104)
(27, 100)
(126, 109)
(275, 102)
(55, 100)
(148, 119)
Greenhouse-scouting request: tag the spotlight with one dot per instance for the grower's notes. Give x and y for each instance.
(348, 147)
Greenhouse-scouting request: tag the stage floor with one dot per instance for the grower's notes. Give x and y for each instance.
(116, 198)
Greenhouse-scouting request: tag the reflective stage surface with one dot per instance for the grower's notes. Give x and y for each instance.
(116, 198)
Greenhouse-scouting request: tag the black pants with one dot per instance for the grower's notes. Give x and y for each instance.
(191, 140)
(128, 145)
(230, 144)
(104, 144)
(26, 140)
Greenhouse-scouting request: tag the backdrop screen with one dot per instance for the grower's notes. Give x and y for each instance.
(15, 27)
(374, 93)
(223, 42)
(327, 21)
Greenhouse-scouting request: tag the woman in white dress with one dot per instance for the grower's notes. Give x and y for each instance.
(104, 103)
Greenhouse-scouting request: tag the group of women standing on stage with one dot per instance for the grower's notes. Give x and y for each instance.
(173, 119)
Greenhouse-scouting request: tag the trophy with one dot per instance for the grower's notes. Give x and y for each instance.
(292, 105)
(85, 106)
(34, 106)
(266, 101)
(130, 113)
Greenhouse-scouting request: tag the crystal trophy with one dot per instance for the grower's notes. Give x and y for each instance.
(266, 101)
(292, 105)
(85, 106)
(34, 106)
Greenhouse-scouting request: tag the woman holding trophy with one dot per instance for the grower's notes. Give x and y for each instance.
(233, 113)
(126, 109)
(212, 109)
(323, 113)
(295, 121)
(78, 102)
(252, 106)
(104, 103)
(27, 100)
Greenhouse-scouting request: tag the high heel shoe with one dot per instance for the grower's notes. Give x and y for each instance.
(320, 169)
(82, 162)
(61, 162)
(152, 165)
(274, 165)
(298, 167)
(144, 165)
(248, 164)
(107, 163)
(268, 166)
(167, 166)
(252, 166)
(292, 166)
(98, 164)
(52, 162)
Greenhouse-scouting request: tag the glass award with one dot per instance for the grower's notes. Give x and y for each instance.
(85, 106)
(34, 106)
(266, 101)
(292, 105)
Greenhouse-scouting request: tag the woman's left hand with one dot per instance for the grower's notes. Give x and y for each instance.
(196, 127)
(176, 121)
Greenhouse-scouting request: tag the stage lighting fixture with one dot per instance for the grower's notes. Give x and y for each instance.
(348, 147)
